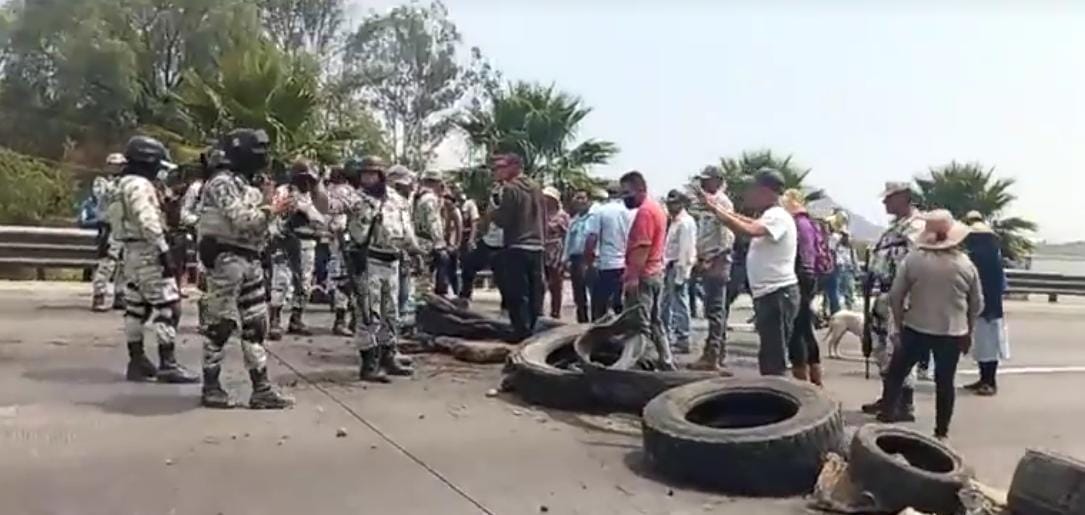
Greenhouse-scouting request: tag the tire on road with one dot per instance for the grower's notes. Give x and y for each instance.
(901, 468)
(763, 437)
(1047, 483)
(630, 390)
(544, 370)
(609, 343)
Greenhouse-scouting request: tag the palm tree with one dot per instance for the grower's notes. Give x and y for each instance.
(260, 86)
(540, 124)
(964, 187)
(738, 173)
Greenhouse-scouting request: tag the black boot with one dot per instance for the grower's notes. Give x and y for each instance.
(392, 365)
(168, 369)
(296, 325)
(904, 411)
(371, 371)
(340, 328)
(264, 395)
(872, 408)
(118, 302)
(275, 324)
(213, 396)
(139, 367)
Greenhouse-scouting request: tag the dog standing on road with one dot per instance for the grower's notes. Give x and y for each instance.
(841, 323)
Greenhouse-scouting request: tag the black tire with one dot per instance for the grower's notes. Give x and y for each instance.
(1047, 483)
(927, 479)
(607, 344)
(630, 390)
(773, 441)
(535, 378)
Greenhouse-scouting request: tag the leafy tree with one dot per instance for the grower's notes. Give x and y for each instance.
(541, 124)
(32, 191)
(310, 26)
(739, 172)
(964, 187)
(406, 65)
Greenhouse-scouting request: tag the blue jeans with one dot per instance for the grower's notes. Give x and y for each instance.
(831, 286)
(606, 292)
(675, 309)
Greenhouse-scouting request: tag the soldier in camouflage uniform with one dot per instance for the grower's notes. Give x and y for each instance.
(714, 244)
(151, 293)
(380, 231)
(338, 278)
(887, 255)
(402, 180)
(295, 236)
(233, 231)
(108, 279)
(429, 228)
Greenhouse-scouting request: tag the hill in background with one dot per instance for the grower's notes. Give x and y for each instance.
(861, 228)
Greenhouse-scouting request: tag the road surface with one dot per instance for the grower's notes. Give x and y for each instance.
(75, 438)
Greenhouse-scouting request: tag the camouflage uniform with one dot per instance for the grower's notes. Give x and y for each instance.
(108, 280)
(429, 227)
(190, 216)
(233, 231)
(151, 294)
(292, 279)
(338, 279)
(377, 286)
(886, 257)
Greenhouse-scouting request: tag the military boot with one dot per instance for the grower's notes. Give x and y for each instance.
(340, 328)
(171, 372)
(296, 325)
(371, 371)
(139, 367)
(904, 411)
(872, 408)
(213, 396)
(118, 302)
(392, 365)
(264, 395)
(709, 361)
(275, 324)
(98, 303)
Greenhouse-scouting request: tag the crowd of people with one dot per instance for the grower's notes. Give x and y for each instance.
(393, 236)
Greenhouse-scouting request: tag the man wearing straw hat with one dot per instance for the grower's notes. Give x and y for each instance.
(990, 342)
(935, 300)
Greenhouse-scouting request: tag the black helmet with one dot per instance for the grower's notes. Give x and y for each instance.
(147, 152)
(246, 150)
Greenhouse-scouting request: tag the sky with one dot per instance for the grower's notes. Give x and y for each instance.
(860, 92)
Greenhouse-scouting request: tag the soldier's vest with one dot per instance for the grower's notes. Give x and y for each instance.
(389, 233)
(125, 221)
(213, 222)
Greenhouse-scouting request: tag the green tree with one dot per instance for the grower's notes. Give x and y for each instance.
(310, 26)
(406, 65)
(964, 187)
(541, 124)
(739, 172)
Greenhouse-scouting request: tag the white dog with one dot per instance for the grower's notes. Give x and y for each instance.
(841, 323)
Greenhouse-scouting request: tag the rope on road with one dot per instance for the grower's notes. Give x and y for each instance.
(440, 477)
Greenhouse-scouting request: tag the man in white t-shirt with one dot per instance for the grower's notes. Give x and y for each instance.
(770, 265)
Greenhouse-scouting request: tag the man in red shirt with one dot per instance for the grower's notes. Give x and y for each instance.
(643, 279)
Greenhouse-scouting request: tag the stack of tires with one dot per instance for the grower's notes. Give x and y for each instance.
(1047, 483)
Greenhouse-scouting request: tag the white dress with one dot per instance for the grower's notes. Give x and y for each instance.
(990, 341)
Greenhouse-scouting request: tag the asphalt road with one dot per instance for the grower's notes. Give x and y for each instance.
(76, 439)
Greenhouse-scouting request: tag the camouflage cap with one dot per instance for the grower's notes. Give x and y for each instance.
(432, 175)
(711, 172)
(399, 174)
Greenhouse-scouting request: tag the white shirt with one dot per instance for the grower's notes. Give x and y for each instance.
(681, 247)
(610, 224)
(770, 263)
(470, 212)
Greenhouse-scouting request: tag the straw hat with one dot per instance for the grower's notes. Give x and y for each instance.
(941, 231)
(975, 221)
(892, 188)
(552, 192)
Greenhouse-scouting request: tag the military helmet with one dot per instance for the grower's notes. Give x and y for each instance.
(246, 150)
(147, 151)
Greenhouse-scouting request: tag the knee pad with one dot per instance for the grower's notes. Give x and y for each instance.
(254, 330)
(220, 332)
(169, 314)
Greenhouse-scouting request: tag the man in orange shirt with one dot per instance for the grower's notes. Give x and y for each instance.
(642, 282)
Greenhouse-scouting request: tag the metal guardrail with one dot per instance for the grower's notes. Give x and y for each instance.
(48, 247)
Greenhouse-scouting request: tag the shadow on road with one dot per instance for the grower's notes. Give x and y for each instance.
(148, 405)
(75, 375)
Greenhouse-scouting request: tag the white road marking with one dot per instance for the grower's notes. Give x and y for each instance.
(1031, 370)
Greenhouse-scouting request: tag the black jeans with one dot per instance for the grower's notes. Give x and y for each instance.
(775, 319)
(524, 286)
(578, 276)
(803, 345)
(606, 292)
(481, 258)
(445, 269)
(947, 352)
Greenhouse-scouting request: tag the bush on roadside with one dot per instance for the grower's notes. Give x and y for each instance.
(33, 192)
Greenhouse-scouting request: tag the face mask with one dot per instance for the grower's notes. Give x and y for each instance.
(376, 190)
(633, 201)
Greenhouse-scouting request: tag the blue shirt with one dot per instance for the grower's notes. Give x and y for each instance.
(577, 235)
(610, 223)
